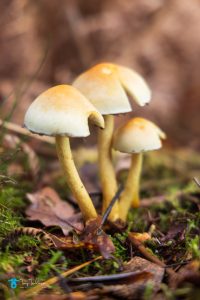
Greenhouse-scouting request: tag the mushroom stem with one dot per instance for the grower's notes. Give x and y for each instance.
(73, 180)
(130, 195)
(106, 169)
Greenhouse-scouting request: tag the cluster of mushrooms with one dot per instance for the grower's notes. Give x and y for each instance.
(96, 96)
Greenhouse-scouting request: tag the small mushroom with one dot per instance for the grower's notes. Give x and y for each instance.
(105, 85)
(63, 112)
(136, 136)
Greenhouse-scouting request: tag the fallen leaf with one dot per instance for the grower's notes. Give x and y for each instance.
(131, 287)
(67, 242)
(96, 237)
(189, 273)
(148, 254)
(48, 208)
(90, 238)
(140, 264)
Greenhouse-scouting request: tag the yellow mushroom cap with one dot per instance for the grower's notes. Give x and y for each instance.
(106, 84)
(62, 110)
(138, 135)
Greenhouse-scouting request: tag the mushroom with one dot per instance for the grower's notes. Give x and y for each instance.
(136, 136)
(63, 112)
(105, 85)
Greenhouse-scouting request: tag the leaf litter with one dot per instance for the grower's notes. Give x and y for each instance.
(47, 207)
(166, 228)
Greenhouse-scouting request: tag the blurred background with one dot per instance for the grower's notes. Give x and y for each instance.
(44, 43)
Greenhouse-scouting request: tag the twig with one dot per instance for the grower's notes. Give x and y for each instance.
(178, 264)
(196, 181)
(103, 278)
(109, 208)
(18, 129)
(147, 254)
(46, 284)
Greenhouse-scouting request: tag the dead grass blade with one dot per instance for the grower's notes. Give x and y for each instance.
(18, 129)
(36, 289)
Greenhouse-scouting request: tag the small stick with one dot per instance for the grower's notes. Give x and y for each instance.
(196, 181)
(147, 254)
(112, 277)
(109, 208)
(46, 284)
(18, 129)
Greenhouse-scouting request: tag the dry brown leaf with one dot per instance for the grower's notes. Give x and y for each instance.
(188, 274)
(133, 287)
(140, 264)
(97, 238)
(92, 238)
(48, 208)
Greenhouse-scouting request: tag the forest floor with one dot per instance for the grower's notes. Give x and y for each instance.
(47, 258)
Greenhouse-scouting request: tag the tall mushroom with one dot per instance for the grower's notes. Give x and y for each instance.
(136, 136)
(106, 85)
(63, 112)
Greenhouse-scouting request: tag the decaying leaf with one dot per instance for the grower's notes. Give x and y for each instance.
(144, 273)
(91, 238)
(48, 208)
(94, 235)
(138, 244)
(189, 273)
(140, 264)
(67, 242)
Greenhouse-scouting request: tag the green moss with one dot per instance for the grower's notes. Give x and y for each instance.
(8, 222)
(193, 237)
(148, 292)
(28, 242)
(11, 208)
(119, 240)
(12, 198)
(109, 266)
(10, 262)
(49, 265)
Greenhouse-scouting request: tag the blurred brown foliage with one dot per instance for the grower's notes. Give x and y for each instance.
(44, 42)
